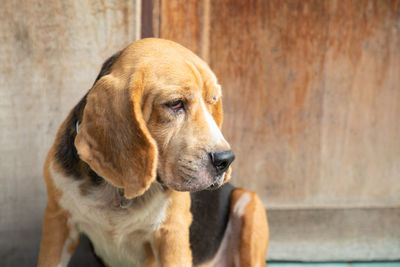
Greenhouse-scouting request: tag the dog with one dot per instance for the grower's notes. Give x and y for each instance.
(140, 167)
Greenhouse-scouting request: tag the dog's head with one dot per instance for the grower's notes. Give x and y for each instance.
(157, 112)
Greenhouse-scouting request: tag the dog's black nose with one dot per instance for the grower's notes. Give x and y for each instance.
(222, 160)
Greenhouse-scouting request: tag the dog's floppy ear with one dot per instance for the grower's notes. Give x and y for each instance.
(113, 137)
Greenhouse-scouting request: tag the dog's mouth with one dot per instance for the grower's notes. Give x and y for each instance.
(193, 184)
(219, 180)
(215, 185)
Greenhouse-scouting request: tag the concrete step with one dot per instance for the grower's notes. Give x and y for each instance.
(353, 234)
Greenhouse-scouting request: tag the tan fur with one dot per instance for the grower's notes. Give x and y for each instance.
(127, 135)
(128, 161)
(172, 239)
(55, 223)
(130, 99)
(255, 232)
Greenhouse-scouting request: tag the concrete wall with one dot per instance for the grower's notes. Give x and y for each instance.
(50, 54)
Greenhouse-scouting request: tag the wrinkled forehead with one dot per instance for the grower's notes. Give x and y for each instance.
(180, 75)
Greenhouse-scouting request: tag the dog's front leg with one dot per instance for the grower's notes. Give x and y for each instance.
(171, 241)
(57, 243)
(59, 238)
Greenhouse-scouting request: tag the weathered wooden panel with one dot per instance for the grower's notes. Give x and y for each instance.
(312, 98)
(187, 24)
(50, 54)
(312, 108)
(311, 95)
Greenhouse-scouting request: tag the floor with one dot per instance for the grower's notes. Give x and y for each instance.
(335, 264)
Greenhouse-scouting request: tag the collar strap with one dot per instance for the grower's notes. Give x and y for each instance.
(124, 203)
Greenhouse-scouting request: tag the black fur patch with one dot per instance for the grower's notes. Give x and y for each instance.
(65, 150)
(105, 69)
(210, 211)
(84, 254)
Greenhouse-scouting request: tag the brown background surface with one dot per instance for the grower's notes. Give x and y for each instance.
(311, 94)
(312, 110)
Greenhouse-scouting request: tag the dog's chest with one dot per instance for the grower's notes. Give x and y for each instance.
(119, 235)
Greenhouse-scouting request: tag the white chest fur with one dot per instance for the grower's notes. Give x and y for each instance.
(119, 235)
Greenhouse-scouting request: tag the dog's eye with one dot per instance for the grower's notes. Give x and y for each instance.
(175, 106)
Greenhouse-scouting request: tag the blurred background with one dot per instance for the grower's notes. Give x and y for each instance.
(311, 101)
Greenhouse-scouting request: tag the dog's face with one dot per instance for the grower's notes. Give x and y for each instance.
(158, 112)
(183, 113)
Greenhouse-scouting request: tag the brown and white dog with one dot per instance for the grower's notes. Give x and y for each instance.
(130, 165)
